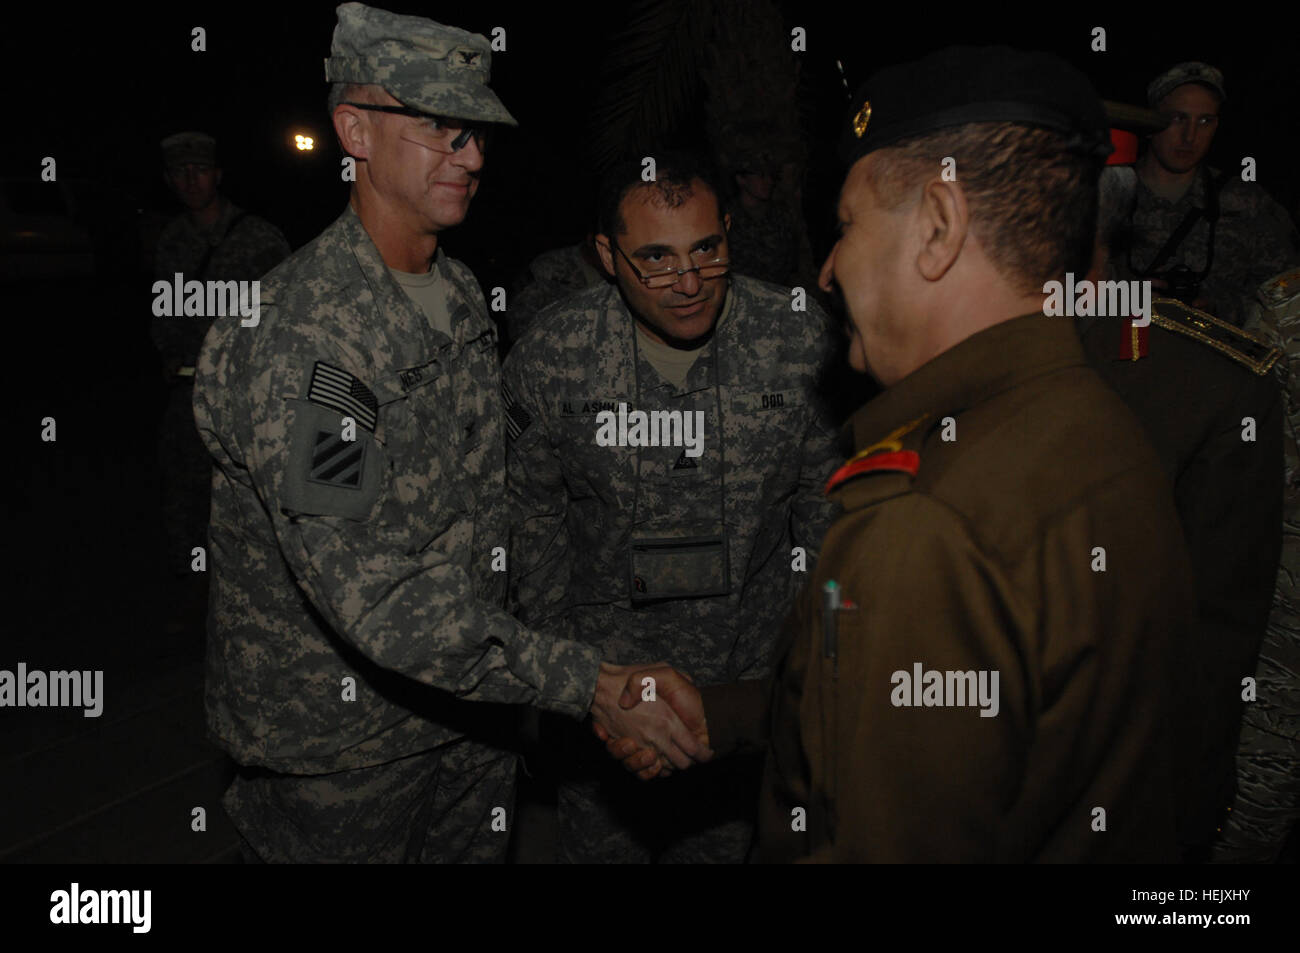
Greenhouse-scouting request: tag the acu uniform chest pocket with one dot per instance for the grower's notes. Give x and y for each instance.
(677, 567)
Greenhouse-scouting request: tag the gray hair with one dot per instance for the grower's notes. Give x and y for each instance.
(340, 92)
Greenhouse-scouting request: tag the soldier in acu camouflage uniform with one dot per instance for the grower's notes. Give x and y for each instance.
(1202, 236)
(650, 552)
(1268, 760)
(358, 497)
(213, 239)
(552, 275)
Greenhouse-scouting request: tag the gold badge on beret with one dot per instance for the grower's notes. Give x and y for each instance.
(861, 119)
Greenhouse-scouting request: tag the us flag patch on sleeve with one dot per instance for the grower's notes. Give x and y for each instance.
(517, 418)
(339, 390)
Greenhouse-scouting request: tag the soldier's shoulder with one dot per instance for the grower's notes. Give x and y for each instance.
(307, 304)
(567, 330)
(255, 227)
(1215, 336)
(572, 315)
(763, 295)
(323, 266)
(1281, 292)
(174, 229)
(1236, 195)
(789, 316)
(562, 265)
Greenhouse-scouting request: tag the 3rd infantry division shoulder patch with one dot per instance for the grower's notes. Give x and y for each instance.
(335, 461)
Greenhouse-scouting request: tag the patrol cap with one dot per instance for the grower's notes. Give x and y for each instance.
(965, 84)
(1189, 72)
(422, 64)
(185, 147)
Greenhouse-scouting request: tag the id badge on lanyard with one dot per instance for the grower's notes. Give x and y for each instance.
(684, 566)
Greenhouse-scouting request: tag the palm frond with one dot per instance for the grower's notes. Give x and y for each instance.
(650, 77)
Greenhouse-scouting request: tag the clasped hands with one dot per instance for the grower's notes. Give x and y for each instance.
(651, 737)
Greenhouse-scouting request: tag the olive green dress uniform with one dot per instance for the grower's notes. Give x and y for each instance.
(981, 554)
(1193, 381)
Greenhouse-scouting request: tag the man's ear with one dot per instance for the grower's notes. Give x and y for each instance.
(606, 254)
(352, 127)
(218, 179)
(726, 223)
(943, 219)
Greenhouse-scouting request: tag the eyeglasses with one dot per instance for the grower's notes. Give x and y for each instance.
(670, 276)
(435, 130)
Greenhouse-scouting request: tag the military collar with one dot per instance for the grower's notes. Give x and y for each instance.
(700, 373)
(985, 364)
(1195, 194)
(215, 232)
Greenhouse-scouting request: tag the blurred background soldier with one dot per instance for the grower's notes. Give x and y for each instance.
(765, 233)
(552, 276)
(1264, 814)
(212, 239)
(1192, 380)
(1205, 237)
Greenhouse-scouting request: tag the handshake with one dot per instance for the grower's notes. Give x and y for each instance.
(651, 718)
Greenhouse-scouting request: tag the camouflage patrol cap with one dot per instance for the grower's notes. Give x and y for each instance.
(431, 67)
(1190, 72)
(970, 84)
(186, 147)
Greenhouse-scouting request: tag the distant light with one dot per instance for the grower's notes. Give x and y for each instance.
(304, 143)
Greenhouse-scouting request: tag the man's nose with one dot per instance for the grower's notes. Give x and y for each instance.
(689, 283)
(469, 156)
(827, 277)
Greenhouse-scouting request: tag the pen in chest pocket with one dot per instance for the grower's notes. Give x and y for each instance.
(832, 603)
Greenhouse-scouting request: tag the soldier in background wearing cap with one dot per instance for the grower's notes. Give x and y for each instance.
(1202, 236)
(1006, 514)
(1193, 381)
(213, 239)
(358, 520)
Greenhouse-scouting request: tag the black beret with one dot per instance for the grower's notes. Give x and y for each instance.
(964, 84)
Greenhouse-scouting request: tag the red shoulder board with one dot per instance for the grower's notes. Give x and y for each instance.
(900, 461)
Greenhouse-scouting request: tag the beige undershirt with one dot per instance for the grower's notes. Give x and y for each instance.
(674, 364)
(428, 293)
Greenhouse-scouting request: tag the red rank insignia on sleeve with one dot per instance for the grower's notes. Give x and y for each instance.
(1133, 342)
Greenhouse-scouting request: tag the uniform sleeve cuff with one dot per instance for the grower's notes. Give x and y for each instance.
(569, 678)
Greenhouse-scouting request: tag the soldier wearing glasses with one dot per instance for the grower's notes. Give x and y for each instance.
(650, 552)
(359, 497)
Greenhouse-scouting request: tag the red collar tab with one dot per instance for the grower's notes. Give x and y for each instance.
(900, 461)
(1126, 147)
(1134, 341)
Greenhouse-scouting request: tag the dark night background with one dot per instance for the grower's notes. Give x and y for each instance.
(98, 90)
